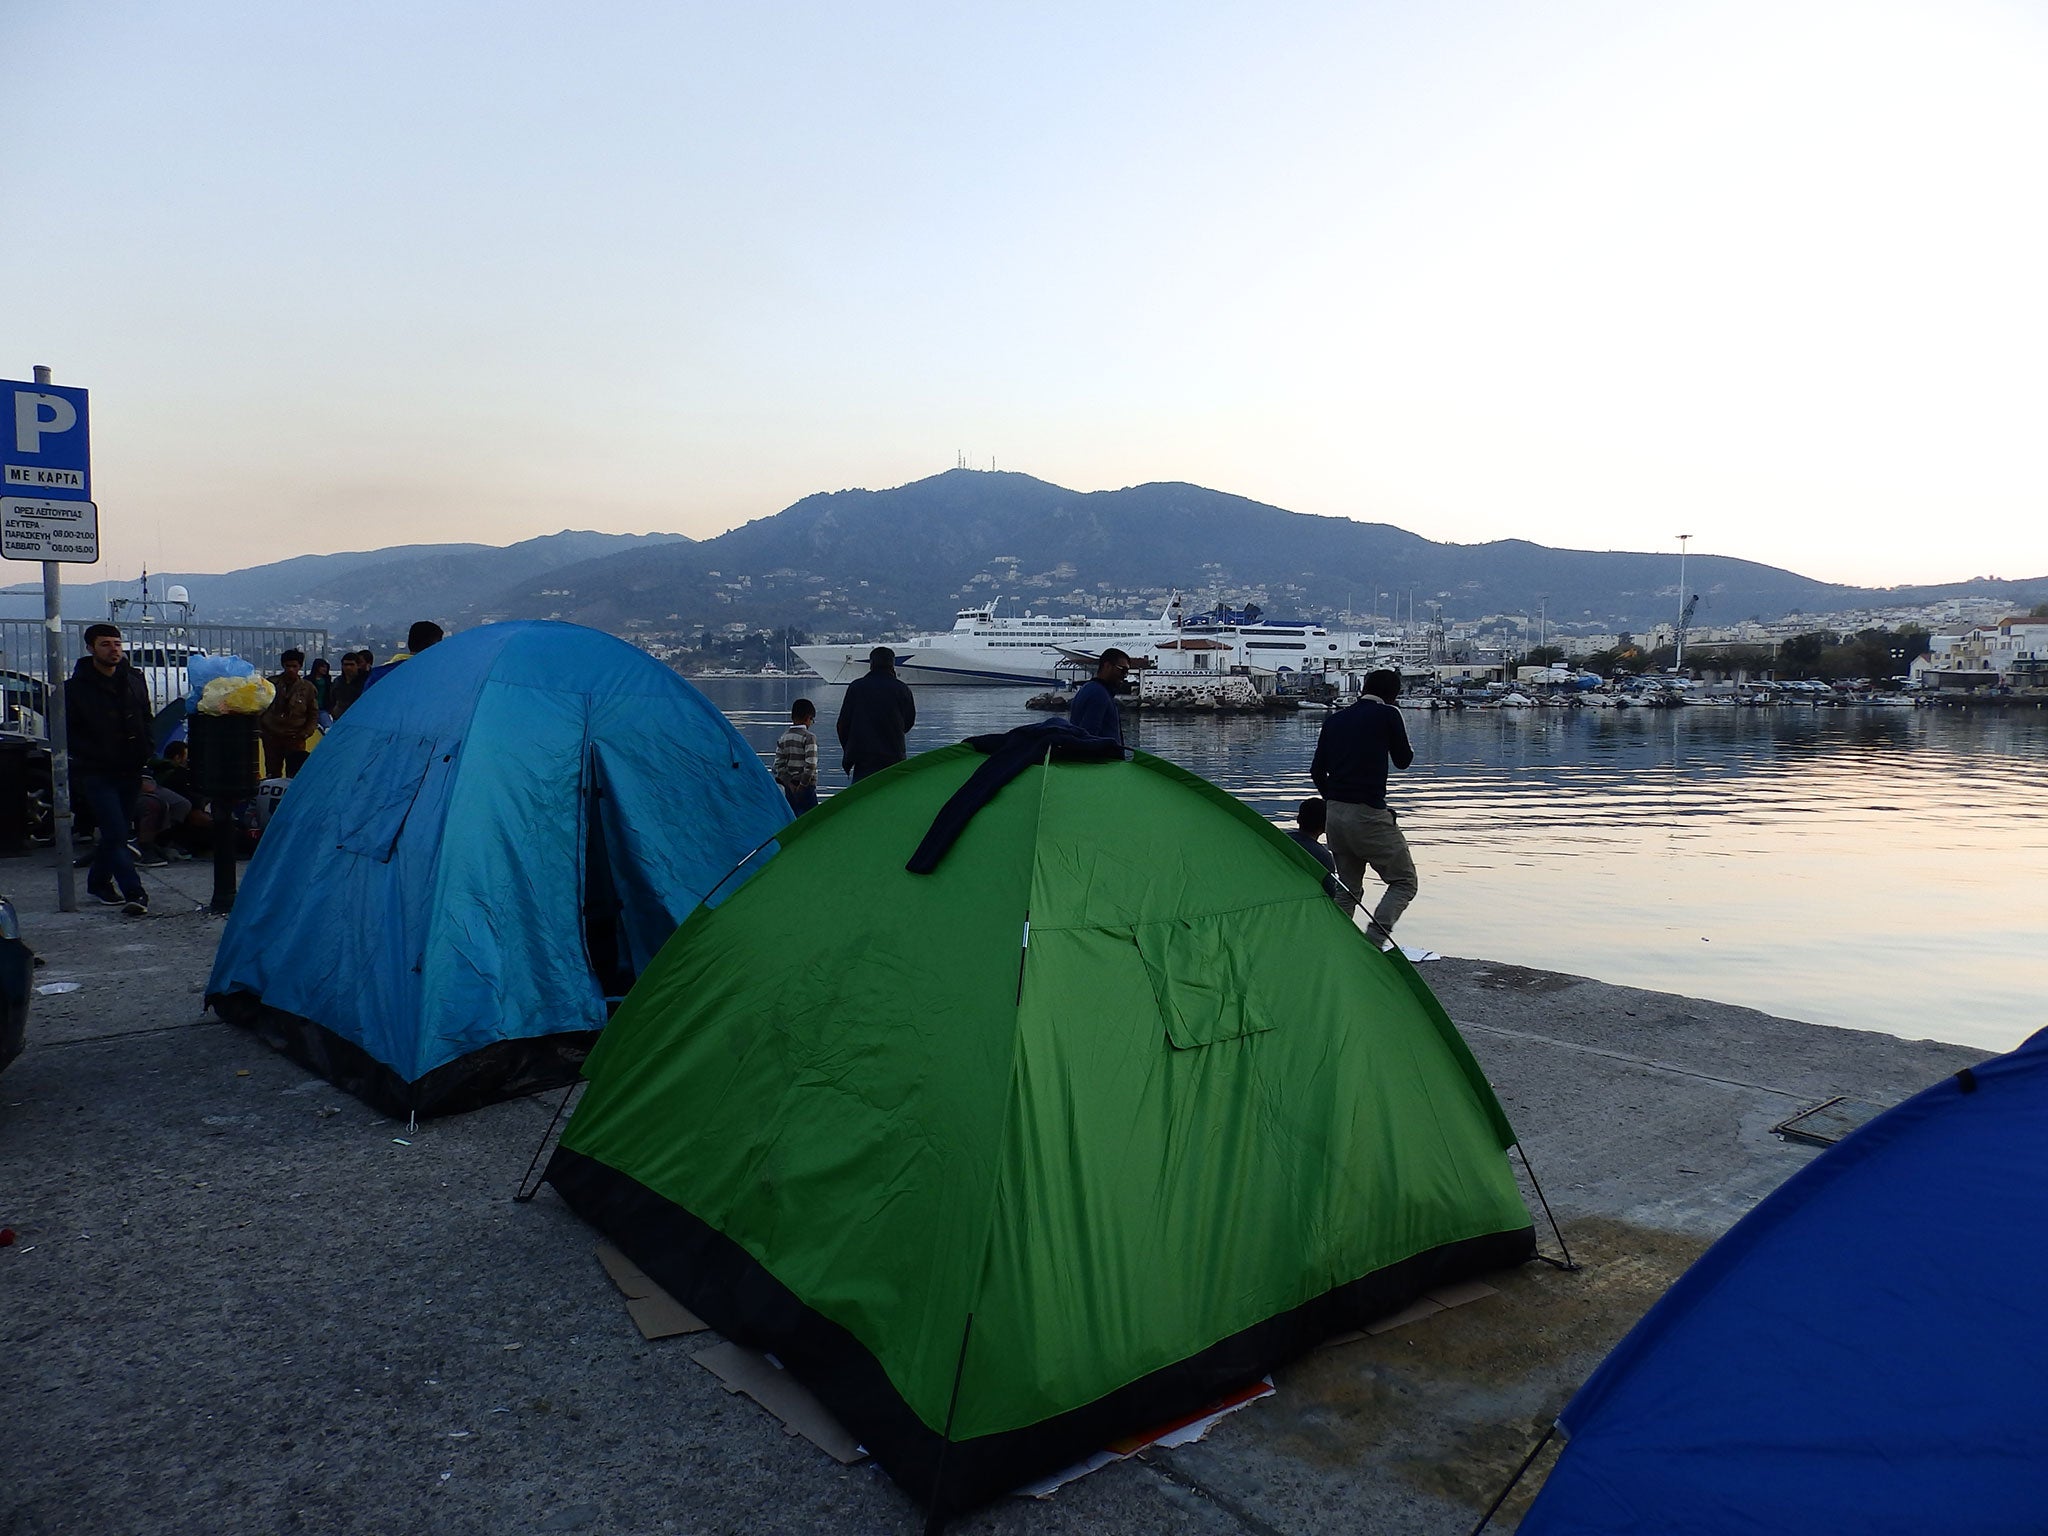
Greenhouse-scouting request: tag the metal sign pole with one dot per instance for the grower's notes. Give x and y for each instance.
(55, 715)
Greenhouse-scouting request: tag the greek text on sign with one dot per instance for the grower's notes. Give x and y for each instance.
(45, 479)
(39, 528)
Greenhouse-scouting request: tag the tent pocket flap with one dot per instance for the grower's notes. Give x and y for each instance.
(1199, 977)
(386, 798)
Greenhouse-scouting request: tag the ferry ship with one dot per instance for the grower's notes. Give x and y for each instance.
(985, 649)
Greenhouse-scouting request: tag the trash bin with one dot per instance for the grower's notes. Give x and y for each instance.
(226, 759)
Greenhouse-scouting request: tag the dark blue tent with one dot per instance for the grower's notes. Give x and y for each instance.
(484, 851)
(1866, 1351)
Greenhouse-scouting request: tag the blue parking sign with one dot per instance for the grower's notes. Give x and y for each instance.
(44, 449)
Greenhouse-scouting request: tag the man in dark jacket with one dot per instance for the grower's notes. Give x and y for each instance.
(348, 687)
(1094, 708)
(107, 732)
(874, 716)
(1350, 768)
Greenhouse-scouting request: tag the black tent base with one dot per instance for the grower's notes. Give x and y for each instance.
(509, 1069)
(723, 1284)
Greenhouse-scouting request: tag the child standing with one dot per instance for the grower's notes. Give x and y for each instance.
(796, 758)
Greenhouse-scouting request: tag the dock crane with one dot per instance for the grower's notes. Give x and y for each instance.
(1684, 623)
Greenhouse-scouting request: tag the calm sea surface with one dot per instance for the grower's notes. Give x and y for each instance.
(1877, 868)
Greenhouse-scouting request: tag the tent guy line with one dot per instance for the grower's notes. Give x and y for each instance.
(1637, 1061)
(134, 1034)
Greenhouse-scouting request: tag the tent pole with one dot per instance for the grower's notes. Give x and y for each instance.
(741, 865)
(1527, 1461)
(530, 1185)
(1570, 1264)
(1372, 923)
(935, 1517)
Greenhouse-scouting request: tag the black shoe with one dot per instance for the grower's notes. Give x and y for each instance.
(106, 898)
(149, 856)
(136, 906)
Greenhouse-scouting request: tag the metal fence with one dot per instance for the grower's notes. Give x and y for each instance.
(158, 651)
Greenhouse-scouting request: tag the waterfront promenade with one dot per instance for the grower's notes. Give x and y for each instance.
(241, 1302)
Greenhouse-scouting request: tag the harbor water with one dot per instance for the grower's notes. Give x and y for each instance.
(1874, 868)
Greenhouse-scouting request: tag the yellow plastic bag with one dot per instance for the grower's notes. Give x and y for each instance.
(236, 696)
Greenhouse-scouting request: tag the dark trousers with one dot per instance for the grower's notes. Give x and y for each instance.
(108, 797)
(800, 800)
(284, 759)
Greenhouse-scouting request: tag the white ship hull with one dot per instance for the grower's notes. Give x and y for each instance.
(932, 666)
(983, 650)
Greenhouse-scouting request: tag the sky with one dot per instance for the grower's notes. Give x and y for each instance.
(1592, 274)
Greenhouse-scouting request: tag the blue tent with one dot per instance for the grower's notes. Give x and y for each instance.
(486, 848)
(1865, 1351)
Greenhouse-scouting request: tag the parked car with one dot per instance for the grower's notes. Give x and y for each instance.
(24, 704)
(17, 971)
(162, 665)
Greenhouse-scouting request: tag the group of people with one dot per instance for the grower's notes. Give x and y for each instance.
(308, 701)
(132, 792)
(1357, 746)
(119, 779)
(875, 717)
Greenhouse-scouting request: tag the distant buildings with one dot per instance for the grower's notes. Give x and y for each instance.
(2012, 653)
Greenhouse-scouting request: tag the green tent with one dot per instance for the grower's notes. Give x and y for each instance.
(1102, 1118)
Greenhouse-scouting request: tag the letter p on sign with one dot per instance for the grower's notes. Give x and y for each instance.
(35, 415)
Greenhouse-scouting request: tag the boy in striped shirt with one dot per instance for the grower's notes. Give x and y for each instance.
(796, 758)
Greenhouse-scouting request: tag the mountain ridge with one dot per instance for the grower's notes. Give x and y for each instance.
(867, 562)
(870, 561)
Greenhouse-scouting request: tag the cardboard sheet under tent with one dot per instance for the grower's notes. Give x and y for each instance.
(1085, 1109)
(484, 853)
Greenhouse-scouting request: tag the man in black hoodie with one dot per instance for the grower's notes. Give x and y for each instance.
(874, 716)
(107, 731)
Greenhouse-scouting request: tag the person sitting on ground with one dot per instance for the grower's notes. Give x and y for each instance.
(172, 768)
(181, 835)
(1094, 708)
(424, 633)
(796, 758)
(1310, 818)
(289, 718)
(159, 812)
(874, 717)
(107, 731)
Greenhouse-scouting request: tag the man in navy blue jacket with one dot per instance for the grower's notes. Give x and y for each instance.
(1350, 768)
(1094, 707)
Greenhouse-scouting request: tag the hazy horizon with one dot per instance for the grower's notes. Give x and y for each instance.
(1593, 275)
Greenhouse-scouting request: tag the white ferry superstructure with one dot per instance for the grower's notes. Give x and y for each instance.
(984, 649)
